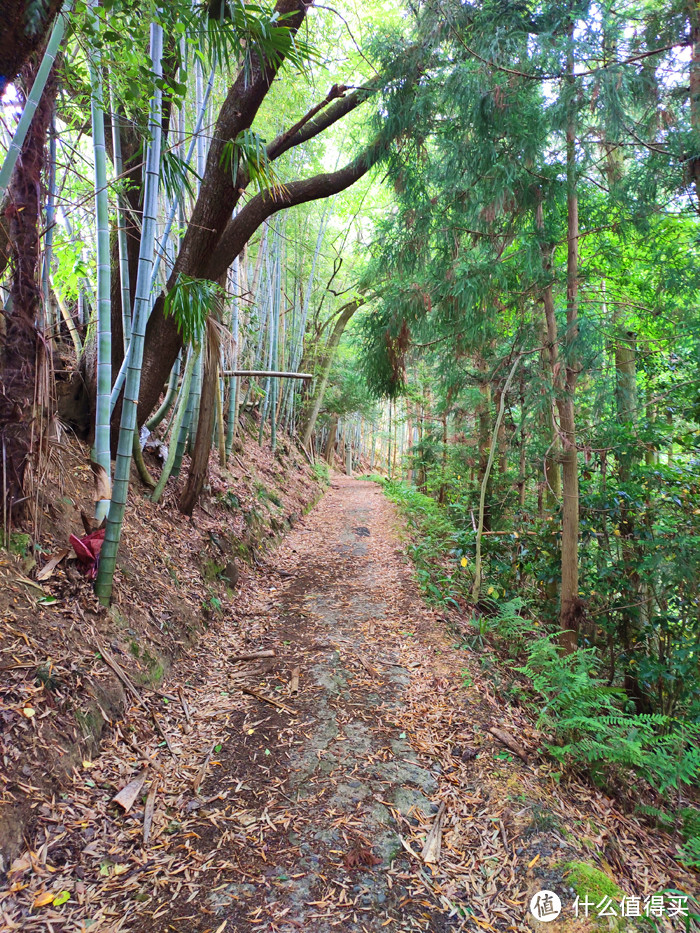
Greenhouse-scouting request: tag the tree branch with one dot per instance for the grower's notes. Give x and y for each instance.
(308, 127)
(241, 227)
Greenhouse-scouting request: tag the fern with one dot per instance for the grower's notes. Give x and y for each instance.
(588, 727)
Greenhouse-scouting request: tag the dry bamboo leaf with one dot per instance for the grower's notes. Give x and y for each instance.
(431, 849)
(128, 795)
(199, 777)
(121, 674)
(43, 899)
(148, 812)
(48, 568)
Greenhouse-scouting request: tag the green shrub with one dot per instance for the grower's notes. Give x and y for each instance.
(321, 472)
(589, 724)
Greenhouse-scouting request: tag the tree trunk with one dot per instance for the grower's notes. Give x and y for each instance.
(199, 463)
(330, 443)
(694, 164)
(23, 345)
(631, 615)
(571, 610)
(522, 462)
(326, 362)
(22, 34)
(484, 422)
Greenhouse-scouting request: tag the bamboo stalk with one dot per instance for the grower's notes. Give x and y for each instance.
(156, 419)
(67, 317)
(32, 101)
(101, 448)
(177, 428)
(115, 519)
(121, 229)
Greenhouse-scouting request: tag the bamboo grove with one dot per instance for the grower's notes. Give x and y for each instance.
(150, 272)
(479, 254)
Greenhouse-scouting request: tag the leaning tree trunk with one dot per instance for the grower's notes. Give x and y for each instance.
(330, 443)
(199, 463)
(23, 344)
(694, 162)
(327, 357)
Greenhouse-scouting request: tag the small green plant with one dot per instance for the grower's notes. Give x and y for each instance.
(20, 543)
(321, 472)
(212, 606)
(230, 501)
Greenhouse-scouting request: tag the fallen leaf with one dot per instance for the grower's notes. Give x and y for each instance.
(361, 857)
(43, 899)
(48, 568)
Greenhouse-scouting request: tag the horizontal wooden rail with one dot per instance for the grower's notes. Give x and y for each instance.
(263, 372)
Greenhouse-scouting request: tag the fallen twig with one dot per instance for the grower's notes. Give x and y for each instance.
(254, 655)
(148, 812)
(509, 742)
(265, 699)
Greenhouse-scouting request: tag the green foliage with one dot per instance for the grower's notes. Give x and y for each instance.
(593, 730)
(589, 723)
(248, 152)
(191, 301)
(176, 175)
(230, 501)
(321, 472)
(435, 535)
(240, 31)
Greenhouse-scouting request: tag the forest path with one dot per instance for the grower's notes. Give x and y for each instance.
(314, 815)
(326, 784)
(275, 809)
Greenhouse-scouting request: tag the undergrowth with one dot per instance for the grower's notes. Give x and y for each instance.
(590, 725)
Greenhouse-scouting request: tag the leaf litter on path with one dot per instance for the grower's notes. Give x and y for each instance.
(374, 798)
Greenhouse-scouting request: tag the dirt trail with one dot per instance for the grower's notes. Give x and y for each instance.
(329, 782)
(280, 810)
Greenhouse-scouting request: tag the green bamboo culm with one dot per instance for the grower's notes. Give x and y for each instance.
(32, 101)
(176, 446)
(170, 395)
(101, 447)
(121, 226)
(127, 429)
(195, 399)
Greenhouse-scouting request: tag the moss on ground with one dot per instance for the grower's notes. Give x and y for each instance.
(593, 883)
